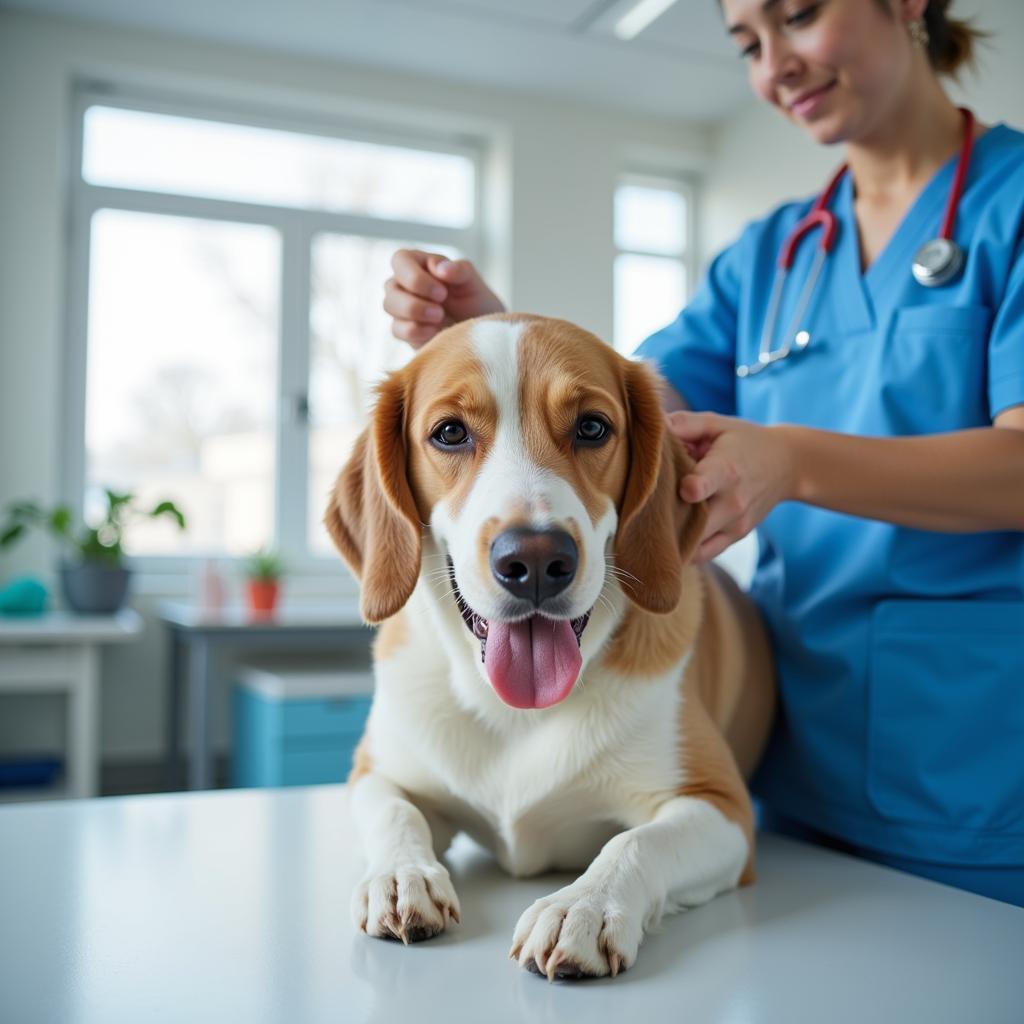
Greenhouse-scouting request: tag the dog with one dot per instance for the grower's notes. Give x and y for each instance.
(552, 676)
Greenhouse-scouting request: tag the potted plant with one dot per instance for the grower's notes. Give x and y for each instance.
(94, 577)
(263, 571)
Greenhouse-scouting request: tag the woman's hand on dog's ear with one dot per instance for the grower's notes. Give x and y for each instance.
(743, 471)
(428, 292)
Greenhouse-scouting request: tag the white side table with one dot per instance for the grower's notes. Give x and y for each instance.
(60, 653)
(197, 637)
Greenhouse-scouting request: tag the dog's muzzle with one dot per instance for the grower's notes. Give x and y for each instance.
(532, 662)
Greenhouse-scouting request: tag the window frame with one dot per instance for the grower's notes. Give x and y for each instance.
(683, 184)
(297, 229)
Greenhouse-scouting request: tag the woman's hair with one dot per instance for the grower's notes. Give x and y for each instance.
(951, 41)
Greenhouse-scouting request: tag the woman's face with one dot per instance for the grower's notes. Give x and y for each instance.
(834, 67)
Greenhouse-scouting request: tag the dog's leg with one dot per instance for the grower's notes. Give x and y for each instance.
(406, 892)
(687, 854)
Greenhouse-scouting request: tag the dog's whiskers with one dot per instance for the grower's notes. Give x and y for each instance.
(623, 581)
(438, 587)
(619, 572)
(442, 573)
(442, 582)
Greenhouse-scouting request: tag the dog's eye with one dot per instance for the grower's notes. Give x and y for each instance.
(451, 434)
(591, 430)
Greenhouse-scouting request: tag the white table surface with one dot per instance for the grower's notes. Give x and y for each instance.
(238, 618)
(70, 628)
(59, 652)
(233, 906)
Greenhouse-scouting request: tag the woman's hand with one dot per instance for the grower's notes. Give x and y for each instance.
(743, 471)
(428, 292)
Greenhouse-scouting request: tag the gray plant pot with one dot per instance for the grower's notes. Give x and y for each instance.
(92, 588)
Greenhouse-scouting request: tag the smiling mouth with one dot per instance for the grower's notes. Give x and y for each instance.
(808, 99)
(480, 627)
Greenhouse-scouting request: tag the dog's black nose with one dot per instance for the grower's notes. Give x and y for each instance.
(534, 564)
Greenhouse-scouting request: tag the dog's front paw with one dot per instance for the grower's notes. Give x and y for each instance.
(410, 902)
(578, 932)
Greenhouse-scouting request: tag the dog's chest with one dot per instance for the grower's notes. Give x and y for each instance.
(549, 793)
(564, 831)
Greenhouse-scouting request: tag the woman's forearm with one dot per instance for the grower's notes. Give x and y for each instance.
(962, 482)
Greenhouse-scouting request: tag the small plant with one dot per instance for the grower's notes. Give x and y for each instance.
(263, 570)
(264, 565)
(100, 543)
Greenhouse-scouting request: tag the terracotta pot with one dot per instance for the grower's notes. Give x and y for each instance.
(262, 596)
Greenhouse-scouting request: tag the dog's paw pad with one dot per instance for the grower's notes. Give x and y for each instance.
(576, 934)
(407, 904)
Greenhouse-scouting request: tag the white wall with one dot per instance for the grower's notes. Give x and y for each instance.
(555, 164)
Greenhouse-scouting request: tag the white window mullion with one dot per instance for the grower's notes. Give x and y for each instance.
(77, 227)
(73, 455)
(293, 405)
(98, 197)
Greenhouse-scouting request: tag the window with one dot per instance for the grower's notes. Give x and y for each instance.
(184, 155)
(653, 245)
(343, 369)
(181, 373)
(226, 315)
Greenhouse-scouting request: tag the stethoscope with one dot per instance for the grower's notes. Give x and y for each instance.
(936, 263)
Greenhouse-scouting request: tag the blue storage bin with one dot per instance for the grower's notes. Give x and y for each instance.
(297, 724)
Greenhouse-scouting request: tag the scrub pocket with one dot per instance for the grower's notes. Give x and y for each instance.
(934, 375)
(943, 320)
(946, 714)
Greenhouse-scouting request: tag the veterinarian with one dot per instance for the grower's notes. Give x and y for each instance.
(863, 410)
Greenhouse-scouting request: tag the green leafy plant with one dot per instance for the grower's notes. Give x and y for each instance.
(90, 543)
(264, 565)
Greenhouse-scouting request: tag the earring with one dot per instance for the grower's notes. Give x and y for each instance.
(919, 33)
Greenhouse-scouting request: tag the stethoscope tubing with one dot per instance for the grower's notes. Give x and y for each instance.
(953, 202)
(819, 216)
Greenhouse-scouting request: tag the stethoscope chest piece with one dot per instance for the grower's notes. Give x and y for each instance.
(938, 262)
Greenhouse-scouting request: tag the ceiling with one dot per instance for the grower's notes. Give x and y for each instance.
(682, 65)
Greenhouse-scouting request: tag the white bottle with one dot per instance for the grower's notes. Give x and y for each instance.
(212, 589)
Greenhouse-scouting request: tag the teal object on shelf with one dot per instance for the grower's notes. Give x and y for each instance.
(293, 726)
(25, 596)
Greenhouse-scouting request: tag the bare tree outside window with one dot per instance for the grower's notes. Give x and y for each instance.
(181, 370)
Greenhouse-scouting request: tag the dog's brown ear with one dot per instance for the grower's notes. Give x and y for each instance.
(371, 515)
(658, 532)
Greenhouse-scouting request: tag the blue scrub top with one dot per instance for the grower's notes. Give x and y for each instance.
(900, 652)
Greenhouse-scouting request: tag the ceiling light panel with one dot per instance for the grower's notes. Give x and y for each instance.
(630, 22)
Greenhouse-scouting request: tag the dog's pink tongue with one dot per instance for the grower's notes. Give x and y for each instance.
(533, 663)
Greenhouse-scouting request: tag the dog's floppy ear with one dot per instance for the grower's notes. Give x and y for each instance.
(372, 516)
(657, 532)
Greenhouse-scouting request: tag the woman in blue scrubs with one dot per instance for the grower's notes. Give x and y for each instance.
(882, 462)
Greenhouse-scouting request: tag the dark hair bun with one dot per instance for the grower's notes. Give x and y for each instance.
(952, 42)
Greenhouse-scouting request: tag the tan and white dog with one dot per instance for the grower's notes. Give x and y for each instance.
(552, 677)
